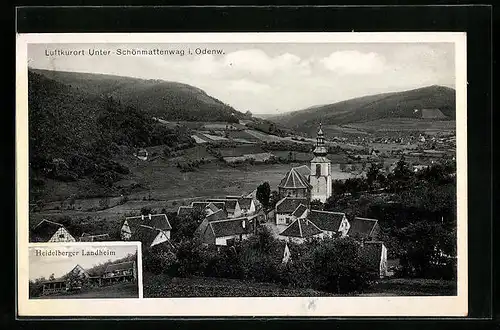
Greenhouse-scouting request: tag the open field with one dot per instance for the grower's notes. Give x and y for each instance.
(405, 124)
(156, 286)
(120, 290)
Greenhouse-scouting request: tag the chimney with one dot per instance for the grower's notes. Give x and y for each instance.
(243, 224)
(142, 217)
(149, 216)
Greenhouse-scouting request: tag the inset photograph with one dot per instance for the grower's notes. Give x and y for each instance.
(85, 271)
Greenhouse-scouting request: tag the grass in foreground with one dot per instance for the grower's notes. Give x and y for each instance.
(163, 286)
(120, 290)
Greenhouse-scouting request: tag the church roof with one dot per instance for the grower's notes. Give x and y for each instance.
(294, 179)
(301, 228)
(327, 221)
(287, 205)
(320, 159)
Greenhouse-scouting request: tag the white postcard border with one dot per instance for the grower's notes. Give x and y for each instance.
(265, 306)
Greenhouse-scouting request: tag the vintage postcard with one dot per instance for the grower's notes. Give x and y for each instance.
(262, 174)
(84, 271)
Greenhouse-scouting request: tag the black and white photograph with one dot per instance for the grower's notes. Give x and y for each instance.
(248, 169)
(83, 271)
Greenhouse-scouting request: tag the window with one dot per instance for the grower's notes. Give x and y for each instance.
(318, 169)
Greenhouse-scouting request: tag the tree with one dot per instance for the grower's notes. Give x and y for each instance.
(372, 174)
(263, 194)
(52, 277)
(316, 205)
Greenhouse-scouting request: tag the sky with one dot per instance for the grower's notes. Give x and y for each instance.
(269, 78)
(60, 265)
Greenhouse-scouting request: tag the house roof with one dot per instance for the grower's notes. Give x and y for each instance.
(199, 206)
(245, 202)
(320, 159)
(294, 179)
(299, 210)
(145, 234)
(288, 204)
(301, 228)
(119, 266)
(218, 215)
(212, 207)
(325, 220)
(185, 210)
(230, 227)
(93, 238)
(363, 227)
(44, 230)
(159, 221)
(229, 204)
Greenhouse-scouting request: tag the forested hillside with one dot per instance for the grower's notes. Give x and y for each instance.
(163, 99)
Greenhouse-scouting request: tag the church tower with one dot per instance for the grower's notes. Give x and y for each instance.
(320, 177)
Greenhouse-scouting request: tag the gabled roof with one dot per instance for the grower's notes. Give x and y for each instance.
(245, 202)
(363, 227)
(145, 234)
(294, 179)
(230, 204)
(159, 221)
(218, 215)
(44, 230)
(287, 205)
(185, 210)
(199, 206)
(301, 228)
(325, 220)
(230, 227)
(299, 210)
(212, 207)
(120, 266)
(93, 238)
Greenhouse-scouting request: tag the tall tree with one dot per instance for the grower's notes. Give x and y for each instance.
(263, 194)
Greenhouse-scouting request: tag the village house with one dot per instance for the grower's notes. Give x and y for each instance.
(364, 228)
(157, 221)
(375, 253)
(285, 208)
(232, 206)
(94, 238)
(219, 215)
(227, 231)
(332, 224)
(50, 231)
(150, 236)
(61, 284)
(247, 205)
(300, 230)
(120, 272)
(183, 211)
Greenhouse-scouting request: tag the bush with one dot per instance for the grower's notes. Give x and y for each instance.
(160, 259)
(339, 268)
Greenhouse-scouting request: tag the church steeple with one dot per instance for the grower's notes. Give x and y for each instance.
(320, 149)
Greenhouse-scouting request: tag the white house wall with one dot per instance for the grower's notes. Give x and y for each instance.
(281, 219)
(62, 235)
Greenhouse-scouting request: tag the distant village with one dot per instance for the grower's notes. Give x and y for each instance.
(234, 218)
